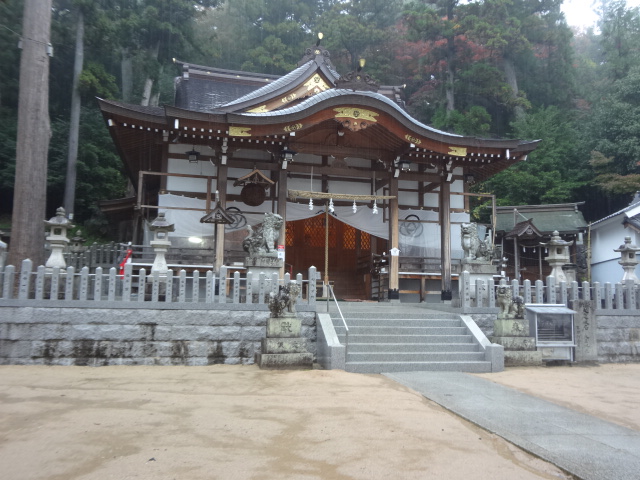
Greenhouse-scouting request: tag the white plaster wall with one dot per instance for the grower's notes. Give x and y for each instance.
(605, 238)
(351, 188)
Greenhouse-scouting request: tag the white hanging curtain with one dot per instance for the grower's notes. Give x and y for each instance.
(416, 239)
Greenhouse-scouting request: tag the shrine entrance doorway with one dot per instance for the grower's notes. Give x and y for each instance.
(348, 253)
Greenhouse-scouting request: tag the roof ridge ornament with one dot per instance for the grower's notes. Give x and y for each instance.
(318, 53)
(358, 81)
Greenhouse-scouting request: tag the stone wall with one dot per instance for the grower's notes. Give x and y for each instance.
(618, 337)
(485, 321)
(135, 336)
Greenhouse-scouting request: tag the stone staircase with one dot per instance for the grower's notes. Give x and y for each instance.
(389, 340)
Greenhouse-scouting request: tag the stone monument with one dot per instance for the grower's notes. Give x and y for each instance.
(478, 255)
(284, 348)
(511, 330)
(260, 245)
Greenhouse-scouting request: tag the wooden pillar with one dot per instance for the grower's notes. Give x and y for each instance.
(445, 239)
(282, 211)
(394, 236)
(222, 192)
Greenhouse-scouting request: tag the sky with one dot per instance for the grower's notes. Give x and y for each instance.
(579, 13)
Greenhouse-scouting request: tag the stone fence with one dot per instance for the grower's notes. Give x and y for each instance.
(609, 297)
(66, 287)
(61, 317)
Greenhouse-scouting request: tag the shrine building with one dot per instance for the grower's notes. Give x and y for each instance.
(370, 196)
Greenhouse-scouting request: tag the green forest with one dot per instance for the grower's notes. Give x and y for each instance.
(487, 68)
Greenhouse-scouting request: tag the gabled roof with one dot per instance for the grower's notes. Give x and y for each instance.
(632, 211)
(525, 229)
(206, 89)
(565, 218)
(306, 80)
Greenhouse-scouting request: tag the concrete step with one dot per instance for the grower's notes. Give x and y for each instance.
(386, 340)
(372, 338)
(359, 357)
(413, 322)
(387, 367)
(413, 347)
(410, 331)
(391, 315)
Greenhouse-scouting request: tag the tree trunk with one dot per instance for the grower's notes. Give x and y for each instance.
(451, 58)
(512, 81)
(34, 132)
(126, 71)
(74, 126)
(451, 104)
(155, 98)
(148, 83)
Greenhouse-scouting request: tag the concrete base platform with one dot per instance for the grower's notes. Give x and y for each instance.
(285, 361)
(521, 358)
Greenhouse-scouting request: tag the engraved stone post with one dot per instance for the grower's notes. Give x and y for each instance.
(608, 296)
(492, 293)
(465, 282)
(597, 295)
(551, 289)
(25, 279)
(539, 291)
(619, 299)
(526, 291)
(585, 327)
(586, 291)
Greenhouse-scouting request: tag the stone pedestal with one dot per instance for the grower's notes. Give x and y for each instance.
(284, 348)
(519, 347)
(479, 270)
(262, 264)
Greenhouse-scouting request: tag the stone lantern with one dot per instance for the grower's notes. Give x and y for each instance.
(160, 243)
(558, 256)
(77, 243)
(57, 238)
(628, 260)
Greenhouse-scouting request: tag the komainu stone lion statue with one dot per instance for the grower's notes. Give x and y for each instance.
(473, 247)
(510, 307)
(262, 240)
(284, 302)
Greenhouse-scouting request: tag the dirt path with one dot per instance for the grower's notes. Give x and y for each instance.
(237, 422)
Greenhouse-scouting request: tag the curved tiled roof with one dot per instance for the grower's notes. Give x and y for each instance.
(273, 86)
(335, 93)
